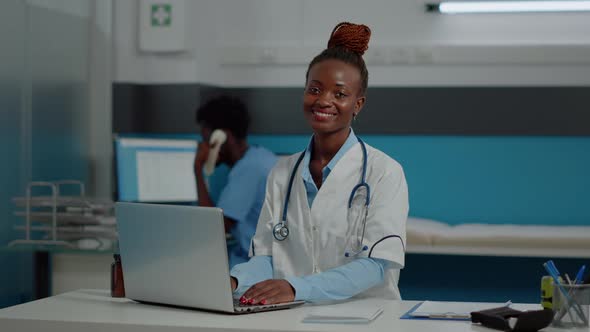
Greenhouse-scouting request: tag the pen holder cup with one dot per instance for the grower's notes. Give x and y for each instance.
(571, 305)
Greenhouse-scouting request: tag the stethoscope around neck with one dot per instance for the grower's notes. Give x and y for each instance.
(281, 229)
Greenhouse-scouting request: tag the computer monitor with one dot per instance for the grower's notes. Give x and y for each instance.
(155, 169)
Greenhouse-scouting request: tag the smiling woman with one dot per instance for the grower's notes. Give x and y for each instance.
(316, 239)
(332, 97)
(337, 81)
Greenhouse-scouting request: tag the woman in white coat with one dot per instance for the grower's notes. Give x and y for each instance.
(333, 221)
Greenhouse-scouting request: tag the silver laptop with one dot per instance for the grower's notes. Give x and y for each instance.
(177, 255)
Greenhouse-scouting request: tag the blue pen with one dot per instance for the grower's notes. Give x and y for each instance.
(580, 275)
(552, 270)
(551, 265)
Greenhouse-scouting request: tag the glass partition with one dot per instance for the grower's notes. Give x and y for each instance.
(43, 117)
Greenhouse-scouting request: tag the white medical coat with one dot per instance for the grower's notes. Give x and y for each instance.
(318, 235)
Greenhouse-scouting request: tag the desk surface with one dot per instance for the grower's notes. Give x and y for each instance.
(95, 310)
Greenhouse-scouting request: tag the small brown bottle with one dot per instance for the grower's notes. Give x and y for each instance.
(117, 284)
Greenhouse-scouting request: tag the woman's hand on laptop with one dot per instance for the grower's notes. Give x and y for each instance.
(270, 291)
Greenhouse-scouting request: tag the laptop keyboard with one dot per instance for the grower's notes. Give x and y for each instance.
(238, 307)
(238, 304)
(258, 306)
(245, 308)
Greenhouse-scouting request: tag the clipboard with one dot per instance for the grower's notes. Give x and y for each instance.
(459, 311)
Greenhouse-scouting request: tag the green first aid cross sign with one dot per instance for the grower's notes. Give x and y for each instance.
(161, 26)
(161, 15)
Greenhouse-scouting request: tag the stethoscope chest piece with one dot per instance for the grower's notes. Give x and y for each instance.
(280, 231)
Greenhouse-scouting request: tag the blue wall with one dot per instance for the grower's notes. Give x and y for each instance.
(497, 180)
(478, 278)
(465, 179)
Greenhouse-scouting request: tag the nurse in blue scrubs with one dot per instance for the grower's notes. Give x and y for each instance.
(242, 197)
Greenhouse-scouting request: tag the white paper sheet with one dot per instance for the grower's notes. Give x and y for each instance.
(346, 313)
(166, 176)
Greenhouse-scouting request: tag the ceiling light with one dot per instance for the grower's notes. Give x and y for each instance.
(474, 7)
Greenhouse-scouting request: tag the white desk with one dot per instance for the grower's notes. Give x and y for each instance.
(95, 310)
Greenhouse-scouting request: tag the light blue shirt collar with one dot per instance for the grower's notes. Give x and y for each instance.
(310, 186)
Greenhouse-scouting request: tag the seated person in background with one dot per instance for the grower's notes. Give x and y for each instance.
(242, 197)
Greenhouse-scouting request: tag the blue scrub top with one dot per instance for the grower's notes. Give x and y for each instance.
(242, 197)
(310, 187)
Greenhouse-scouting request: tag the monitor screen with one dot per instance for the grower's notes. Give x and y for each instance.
(155, 169)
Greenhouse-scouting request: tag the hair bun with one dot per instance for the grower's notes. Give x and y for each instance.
(353, 37)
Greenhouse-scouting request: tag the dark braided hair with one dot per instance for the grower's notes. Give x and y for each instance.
(348, 42)
(225, 112)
